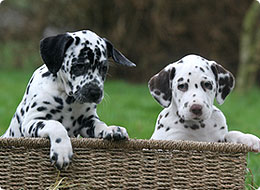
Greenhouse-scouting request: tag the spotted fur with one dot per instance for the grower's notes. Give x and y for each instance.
(187, 89)
(61, 98)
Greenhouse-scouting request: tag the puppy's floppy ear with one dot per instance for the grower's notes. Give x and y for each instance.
(160, 86)
(225, 81)
(116, 55)
(52, 50)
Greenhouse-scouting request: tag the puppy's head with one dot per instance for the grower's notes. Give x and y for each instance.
(80, 59)
(191, 84)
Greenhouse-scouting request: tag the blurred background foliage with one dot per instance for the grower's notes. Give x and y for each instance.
(151, 33)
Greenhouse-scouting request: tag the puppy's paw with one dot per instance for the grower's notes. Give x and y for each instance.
(61, 152)
(115, 133)
(250, 140)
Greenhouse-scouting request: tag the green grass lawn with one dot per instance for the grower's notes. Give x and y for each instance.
(131, 106)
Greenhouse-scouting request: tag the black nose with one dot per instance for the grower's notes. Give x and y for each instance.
(95, 92)
(196, 109)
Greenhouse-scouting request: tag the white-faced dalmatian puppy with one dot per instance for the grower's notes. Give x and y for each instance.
(187, 89)
(61, 98)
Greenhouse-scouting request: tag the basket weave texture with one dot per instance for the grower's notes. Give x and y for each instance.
(132, 164)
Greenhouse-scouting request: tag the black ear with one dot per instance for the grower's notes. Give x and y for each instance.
(160, 86)
(52, 50)
(117, 56)
(225, 81)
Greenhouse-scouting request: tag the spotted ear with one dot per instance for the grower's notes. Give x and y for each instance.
(225, 82)
(52, 50)
(160, 86)
(117, 56)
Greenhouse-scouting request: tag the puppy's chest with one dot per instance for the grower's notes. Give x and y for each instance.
(172, 127)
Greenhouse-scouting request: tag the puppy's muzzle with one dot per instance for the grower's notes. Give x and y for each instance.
(90, 93)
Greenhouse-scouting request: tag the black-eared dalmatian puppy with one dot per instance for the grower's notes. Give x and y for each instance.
(187, 89)
(61, 98)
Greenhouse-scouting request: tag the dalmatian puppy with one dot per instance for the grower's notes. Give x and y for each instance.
(61, 98)
(187, 89)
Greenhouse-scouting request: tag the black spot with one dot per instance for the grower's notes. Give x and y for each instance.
(203, 86)
(159, 120)
(74, 123)
(90, 127)
(28, 87)
(215, 125)
(180, 79)
(193, 95)
(186, 104)
(172, 73)
(221, 128)
(53, 111)
(18, 118)
(70, 100)
(190, 73)
(34, 104)
(202, 125)
(87, 109)
(77, 41)
(181, 61)
(157, 92)
(196, 86)
(58, 100)
(48, 116)
(59, 107)
(202, 69)
(46, 102)
(194, 127)
(55, 156)
(79, 120)
(41, 118)
(176, 122)
(186, 126)
(48, 73)
(22, 112)
(30, 128)
(58, 140)
(27, 108)
(101, 134)
(166, 114)
(160, 126)
(41, 108)
(182, 120)
(70, 109)
(167, 129)
(39, 125)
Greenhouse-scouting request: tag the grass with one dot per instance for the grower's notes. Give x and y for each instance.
(131, 106)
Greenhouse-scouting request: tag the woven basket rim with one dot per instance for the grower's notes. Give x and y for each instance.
(133, 144)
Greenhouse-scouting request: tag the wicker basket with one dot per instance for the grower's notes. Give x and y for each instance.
(133, 164)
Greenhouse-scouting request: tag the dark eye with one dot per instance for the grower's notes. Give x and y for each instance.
(80, 66)
(207, 85)
(79, 69)
(183, 87)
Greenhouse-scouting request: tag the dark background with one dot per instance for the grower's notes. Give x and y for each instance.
(151, 33)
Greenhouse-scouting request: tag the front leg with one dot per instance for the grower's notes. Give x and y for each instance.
(238, 137)
(94, 128)
(61, 149)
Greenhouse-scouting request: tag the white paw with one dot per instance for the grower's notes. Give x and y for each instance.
(115, 133)
(250, 140)
(61, 152)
